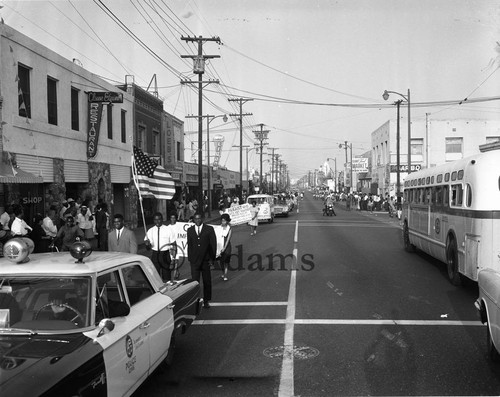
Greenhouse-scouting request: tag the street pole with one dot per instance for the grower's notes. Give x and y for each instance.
(398, 171)
(240, 116)
(199, 69)
(209, 170)
(409, 134)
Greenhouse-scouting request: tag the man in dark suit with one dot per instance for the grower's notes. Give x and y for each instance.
(202, 247)
(121, 239)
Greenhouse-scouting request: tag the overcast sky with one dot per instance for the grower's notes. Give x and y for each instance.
(297, 60)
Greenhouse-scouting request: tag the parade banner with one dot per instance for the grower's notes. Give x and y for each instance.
(239, 214)
(180, 230)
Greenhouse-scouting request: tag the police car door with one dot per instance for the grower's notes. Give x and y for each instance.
(126, 353)
(157, 310)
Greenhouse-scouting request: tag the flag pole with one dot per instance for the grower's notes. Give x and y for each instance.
(134, 177)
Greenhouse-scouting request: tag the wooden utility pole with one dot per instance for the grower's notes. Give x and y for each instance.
(241, 101)
(199, 69)
(261, 136)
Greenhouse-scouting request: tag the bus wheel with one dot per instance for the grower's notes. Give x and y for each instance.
(492, 350)
(452, 263)
(409, 247)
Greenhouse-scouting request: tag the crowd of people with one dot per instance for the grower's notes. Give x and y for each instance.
(59, 227)
(363, 201)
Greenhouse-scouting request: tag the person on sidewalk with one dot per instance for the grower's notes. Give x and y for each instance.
(202, 247)
(161, 240)
(121, 239)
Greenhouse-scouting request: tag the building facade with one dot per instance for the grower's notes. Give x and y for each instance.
(51, 131)
(433, 142)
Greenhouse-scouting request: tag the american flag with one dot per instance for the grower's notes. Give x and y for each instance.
(150, 178)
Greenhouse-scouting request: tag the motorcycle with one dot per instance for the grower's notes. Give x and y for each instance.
(329, 210)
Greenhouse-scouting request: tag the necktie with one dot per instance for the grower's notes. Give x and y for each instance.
(118, 237)
(199, 230)
(158, 242)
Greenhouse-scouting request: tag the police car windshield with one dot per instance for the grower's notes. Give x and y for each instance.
(45, 303)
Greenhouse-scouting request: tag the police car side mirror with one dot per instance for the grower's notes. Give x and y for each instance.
(106, 326)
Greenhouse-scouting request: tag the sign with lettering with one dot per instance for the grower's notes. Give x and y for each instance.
(110, 97)
(404, 167)
(219, 142)
(239, 214)
(359, 164)
(95, 113)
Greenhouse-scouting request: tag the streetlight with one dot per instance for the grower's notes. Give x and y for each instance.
(385, 95)
(209, 192)
(346, 145)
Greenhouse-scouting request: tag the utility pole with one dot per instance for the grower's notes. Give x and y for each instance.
(261, 136)
(199, 69)
(272, 169)
(241, 101)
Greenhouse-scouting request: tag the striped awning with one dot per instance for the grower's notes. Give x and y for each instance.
(17, 175)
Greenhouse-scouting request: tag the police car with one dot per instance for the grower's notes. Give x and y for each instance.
(94, 326)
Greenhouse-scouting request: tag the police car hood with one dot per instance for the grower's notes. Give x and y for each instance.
(24, 358)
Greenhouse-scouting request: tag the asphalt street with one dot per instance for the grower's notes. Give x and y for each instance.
(326, 306)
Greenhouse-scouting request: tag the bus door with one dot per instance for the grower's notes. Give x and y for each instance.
(439, 221)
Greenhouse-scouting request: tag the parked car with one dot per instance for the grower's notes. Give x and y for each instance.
(265, 202)
(95, 327)
(488, 305)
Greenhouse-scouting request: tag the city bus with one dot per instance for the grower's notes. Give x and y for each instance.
(452, 212)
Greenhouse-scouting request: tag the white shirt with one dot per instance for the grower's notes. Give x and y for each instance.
(167, 238)
(19, 227)
(49, 227)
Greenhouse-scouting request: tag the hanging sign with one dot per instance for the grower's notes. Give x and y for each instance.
(95, 113)
(109, 97)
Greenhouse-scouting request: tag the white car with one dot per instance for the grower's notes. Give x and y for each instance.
(488, 305)
(97, 326)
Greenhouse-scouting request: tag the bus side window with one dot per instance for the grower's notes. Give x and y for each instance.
(446, 196)
(456, 195)
(468, 193)
(438, 197)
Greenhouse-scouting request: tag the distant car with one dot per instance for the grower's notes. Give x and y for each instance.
(488, 305)
(281, 207)
(95, 327)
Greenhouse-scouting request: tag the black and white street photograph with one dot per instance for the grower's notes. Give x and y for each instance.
(248, 198)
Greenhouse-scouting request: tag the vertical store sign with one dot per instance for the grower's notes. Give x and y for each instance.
(96, 100)
(219, 142)
(95, 113)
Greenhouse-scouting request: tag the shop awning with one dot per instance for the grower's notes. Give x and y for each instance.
(17, 175)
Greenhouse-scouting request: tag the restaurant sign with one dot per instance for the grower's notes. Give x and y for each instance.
(107, 96)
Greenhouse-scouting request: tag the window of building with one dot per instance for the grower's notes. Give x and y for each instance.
(109, 110)
(24, 93)
(141, 137)
(75, 111)
(51, 101)
(491, 139)
(453, 148)
(156, 142)
(178, 152)
(124, 125)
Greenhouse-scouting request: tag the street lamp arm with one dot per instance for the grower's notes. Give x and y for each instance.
(386, 93)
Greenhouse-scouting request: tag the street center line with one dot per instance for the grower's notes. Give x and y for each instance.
(248, 303)
(286, 388)
(266, 321)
